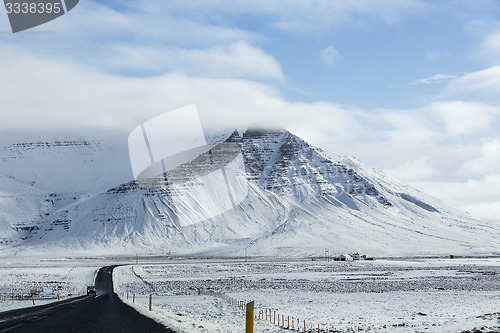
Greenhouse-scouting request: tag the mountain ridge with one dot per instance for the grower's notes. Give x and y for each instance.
(300, 200)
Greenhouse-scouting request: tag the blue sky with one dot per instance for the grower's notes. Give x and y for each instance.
(409, 86)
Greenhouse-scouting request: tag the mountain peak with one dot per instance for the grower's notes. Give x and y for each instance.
(259, 132)
(234, 137)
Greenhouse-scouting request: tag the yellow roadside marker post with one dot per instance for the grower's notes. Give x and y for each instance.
(150, 301)
(249, 317)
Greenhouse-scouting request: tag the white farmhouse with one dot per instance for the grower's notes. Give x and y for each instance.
(357, 256)
(345, 257)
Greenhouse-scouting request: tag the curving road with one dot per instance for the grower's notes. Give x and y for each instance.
(102, 313)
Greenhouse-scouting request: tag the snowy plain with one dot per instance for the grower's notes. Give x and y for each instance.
(45, 279)
(425, 295)
(191, 295)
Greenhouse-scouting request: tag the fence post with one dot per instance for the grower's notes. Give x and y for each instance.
(150, 301)
(249, 317)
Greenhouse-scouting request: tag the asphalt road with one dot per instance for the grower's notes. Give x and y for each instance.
(102, 313)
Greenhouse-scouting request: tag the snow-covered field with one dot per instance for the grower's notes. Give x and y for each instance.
(427, 295)
(45, 278)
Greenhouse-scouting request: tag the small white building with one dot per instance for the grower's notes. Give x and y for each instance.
(345, 257)
(357, 256)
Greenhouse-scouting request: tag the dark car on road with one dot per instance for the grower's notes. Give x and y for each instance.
(91, 290)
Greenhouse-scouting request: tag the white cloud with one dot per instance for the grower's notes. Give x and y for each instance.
(408, 126)
(86, 99)
(298, 16)
(479, 197)
(145, 23)
(418, 169)
(330, 55)
(199, 38)
(438, 78)
(320, 15)
(487, 160)
(484, 84)
(131, 42)
(487, 211)
(237, 60)
(450, 150)
(431, 142)
(463, 118)
(490, 47)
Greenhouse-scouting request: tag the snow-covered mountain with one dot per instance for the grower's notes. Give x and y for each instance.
(300, 201)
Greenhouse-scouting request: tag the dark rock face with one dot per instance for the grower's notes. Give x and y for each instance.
(419, 203)
(283, 163)
(19, 150)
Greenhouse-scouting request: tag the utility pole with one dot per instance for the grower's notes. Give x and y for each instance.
(327, 255)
